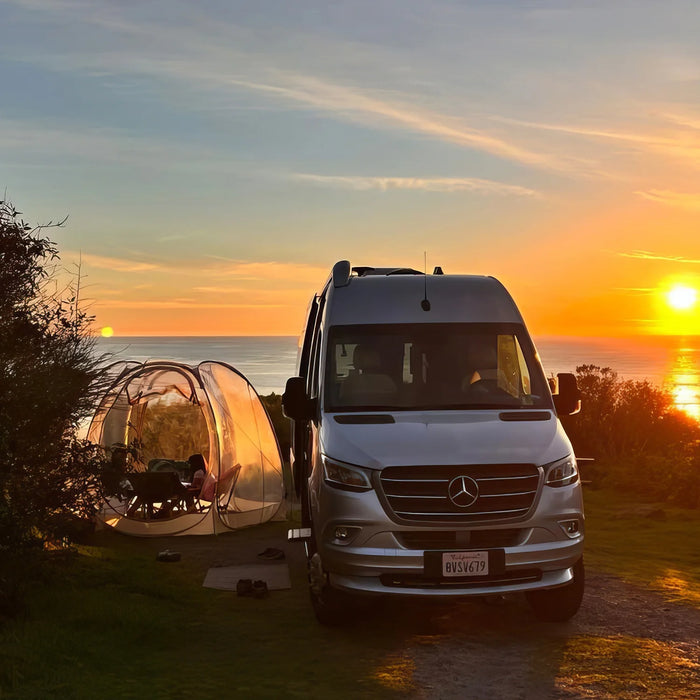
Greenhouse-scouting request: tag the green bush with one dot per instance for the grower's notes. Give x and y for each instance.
(281, 424)
(639, 439)
(49, 380)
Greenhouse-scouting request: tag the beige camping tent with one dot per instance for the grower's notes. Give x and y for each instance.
(192, 450)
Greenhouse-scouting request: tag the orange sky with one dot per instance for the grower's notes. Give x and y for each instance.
(215, 161)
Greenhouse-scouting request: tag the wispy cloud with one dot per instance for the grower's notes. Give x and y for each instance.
(115, 264)
(360, 105)
(691, 122)
(175, 304)
(272, 273)
(646, 255)
(637, 290)
(684, 200)
(430, 184)
(33, 139)
(204, 57)
(267, 271)
(684, 146)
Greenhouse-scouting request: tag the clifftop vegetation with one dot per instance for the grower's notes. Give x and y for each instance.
(49, 377)
(640, 440)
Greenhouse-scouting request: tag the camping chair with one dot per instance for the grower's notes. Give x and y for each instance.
(156, 494)
(226, 486)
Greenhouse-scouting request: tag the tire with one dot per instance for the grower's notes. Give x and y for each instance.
(331, 607)
(559, 604)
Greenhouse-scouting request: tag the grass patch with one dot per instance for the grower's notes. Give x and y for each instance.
(113, 622)
(622, 539)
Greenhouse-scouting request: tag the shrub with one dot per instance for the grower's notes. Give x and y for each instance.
(49, 380)
(281, 424)
(639, 439)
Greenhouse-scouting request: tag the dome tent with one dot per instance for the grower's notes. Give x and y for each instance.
(157, 414)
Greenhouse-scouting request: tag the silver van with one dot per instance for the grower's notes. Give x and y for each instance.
(427, 453)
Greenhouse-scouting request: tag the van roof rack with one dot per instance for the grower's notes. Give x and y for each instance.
(365, 271)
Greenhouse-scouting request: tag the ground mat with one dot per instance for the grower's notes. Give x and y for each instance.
(225, 577)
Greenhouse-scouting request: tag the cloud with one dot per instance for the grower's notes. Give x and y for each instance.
(433, 184)
(203, 56)
(646, 255)
(683, 120)
(270, 270)
(31, 139)
(637, 290)
(684, 200)
(355, 104)
(174, 304)
(270, 273)
(684, 147)
(115, 264)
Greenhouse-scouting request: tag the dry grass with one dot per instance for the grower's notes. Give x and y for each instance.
(627, 668)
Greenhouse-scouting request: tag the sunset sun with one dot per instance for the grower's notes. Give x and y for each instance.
(681, 297)
(107, 332)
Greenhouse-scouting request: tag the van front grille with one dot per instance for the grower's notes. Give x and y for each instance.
(421, 493)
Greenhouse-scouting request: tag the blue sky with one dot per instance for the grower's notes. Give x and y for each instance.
(216, 158)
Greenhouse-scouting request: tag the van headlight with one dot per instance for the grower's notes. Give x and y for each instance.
(343, 476)
(562, 472)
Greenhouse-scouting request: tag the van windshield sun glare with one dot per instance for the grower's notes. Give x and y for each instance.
(414, 367)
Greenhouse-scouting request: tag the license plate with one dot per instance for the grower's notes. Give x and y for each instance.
(465, 564)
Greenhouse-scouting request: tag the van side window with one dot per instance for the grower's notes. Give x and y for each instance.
(315, 363)
(305, 349)
(524, 372)
(344, 353)
(312, 381)
(407, 374)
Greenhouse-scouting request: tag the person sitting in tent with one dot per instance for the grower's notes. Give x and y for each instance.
(114, 474)
(198, 470)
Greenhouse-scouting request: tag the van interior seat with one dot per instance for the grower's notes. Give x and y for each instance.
(367, 380)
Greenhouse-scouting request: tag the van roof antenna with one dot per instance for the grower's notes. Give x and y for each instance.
(425, 303)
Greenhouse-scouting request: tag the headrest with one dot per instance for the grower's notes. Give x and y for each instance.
(483, 355)
(365, 358)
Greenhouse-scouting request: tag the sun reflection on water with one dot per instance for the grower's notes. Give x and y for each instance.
(683, 381)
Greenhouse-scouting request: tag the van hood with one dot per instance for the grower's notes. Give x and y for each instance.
(436, 437)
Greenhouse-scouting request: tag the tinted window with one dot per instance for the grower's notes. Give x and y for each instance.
(428, 366)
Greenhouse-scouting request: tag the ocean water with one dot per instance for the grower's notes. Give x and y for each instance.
(267, 362)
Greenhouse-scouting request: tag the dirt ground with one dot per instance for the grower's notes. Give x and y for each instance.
(625, 642)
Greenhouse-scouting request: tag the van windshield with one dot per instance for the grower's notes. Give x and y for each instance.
(433, 366)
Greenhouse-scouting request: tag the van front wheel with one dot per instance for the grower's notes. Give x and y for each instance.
(330, 605)
(559, 604)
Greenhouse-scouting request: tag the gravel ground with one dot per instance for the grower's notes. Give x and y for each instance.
(625, 642)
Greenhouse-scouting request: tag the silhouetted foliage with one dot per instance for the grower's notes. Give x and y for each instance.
(640, 440)
(281, 424)
(49, 379)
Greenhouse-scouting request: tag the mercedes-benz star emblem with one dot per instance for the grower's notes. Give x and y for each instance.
(463, 491)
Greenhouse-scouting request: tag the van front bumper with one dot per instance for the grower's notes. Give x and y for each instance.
(402, 572)
(377, 560)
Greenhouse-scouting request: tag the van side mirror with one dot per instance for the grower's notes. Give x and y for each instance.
(295, 403)
(567, 398)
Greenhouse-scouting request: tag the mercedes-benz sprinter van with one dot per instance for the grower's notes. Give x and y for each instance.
(427, 452)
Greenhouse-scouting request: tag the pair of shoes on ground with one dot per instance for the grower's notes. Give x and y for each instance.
(271, 553)
(253, 589)
(168, 555)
